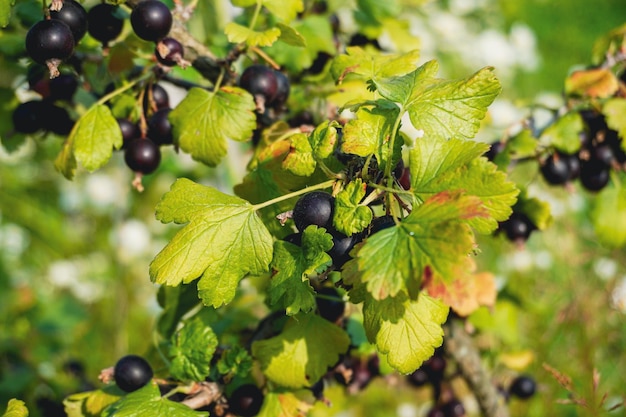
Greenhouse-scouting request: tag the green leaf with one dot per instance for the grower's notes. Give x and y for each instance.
(378, 68)
(434, 239)
(299, 160)
(283, 404)
(204, 120)
(191, 350)
(291, 36)
(147, 402)
(176, 302)
(235, 361)
(318, 37)
(5, 12)
(92, 403)
(323, 139)
(454, 165)
(302, 353)
(91, 141)
(443, 109)
(285, 10)
(237, 33)
(291, 267)
(351, 217)
(16, 408)
(522, 145)
(243, 3)
(615, 112)
(369, 132)
(223, 241)
(608, 214)
(564, 133)
(406, 331)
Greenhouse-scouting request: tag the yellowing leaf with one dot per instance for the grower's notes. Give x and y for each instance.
(375, 67)
(299, 160)
(406, 331)
(302, 353)
(5, 11)
(350, 217)
(237, 33)
(434, 238)
(223, 241)
(466, 292)
(596, 83)
(16, 408)
(91, 403)
(204, 121)
(283, 404)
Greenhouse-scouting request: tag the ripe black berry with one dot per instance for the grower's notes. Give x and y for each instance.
(517, 227)
(74, 15)
(380, 223)
(173, 51)
(294, 238)
(418, 378)
(573, 165)
(246, 400)
(260, 80)
(282, 90)
(594, 175)
(160, 128)
(453, 408)
(129, 131)
(495, 149)
(104, 22)
(342, 245)
(132, 372)
(155, 98)
(151, 20)
(330, 305)
(523, 387)
(315, 208)
(27, 117)
(555, 170)
(142, 155)
(55, 119)
(63, 87)
(49, 39)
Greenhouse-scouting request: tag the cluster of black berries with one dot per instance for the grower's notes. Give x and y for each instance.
(517, 227)
(433, 372)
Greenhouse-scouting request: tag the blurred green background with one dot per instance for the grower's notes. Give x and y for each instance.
(74, 285)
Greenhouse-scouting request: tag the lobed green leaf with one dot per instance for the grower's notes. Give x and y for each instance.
(223, 241)
(204, 121)
(564, 133)
(16, 408)
(147, 402)
(237, 33)
(191, 351)
(350, 217)
(302, 353)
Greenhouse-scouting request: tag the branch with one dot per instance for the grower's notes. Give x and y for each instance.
(458, 344)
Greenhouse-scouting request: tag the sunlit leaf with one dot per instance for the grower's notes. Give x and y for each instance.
(302, 353)
(223, 241)
(237, 33)
(191, 351)
(204, 121)
(147, 402)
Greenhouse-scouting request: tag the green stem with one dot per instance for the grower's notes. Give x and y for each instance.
(123, 88)
(255, 16)
(392, 140)
(319, 186)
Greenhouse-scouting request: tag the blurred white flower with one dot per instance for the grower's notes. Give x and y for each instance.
(618, 296)
(605, 268)
(64, 273)
(103, 190)
(131, 239)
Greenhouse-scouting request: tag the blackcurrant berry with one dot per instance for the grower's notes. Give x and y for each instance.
(74, 15)
(517, 227)
(105, 22)
(435, 412)
(63, 87)
(573, 165)
(282, 90)
(142, 155)
(405, 179)
(259, 80)
(160, 128)
(172, 49)
(155, 98)
(132, 372)
(38, 80)
(28, 117)
(294, 238)
(523, 387)
(129, 131)
(330, 306)
(246, 400)
(495, 149)
(55, 119)
(49, 39)
(303, 118)
(555, 169)
(418, 378)
(317, 389)
(435, 367)
(603, 152)
(380, 223)
(342, 245)
(453, 408)
(151, 20)
(315, 208)
(594, 174)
